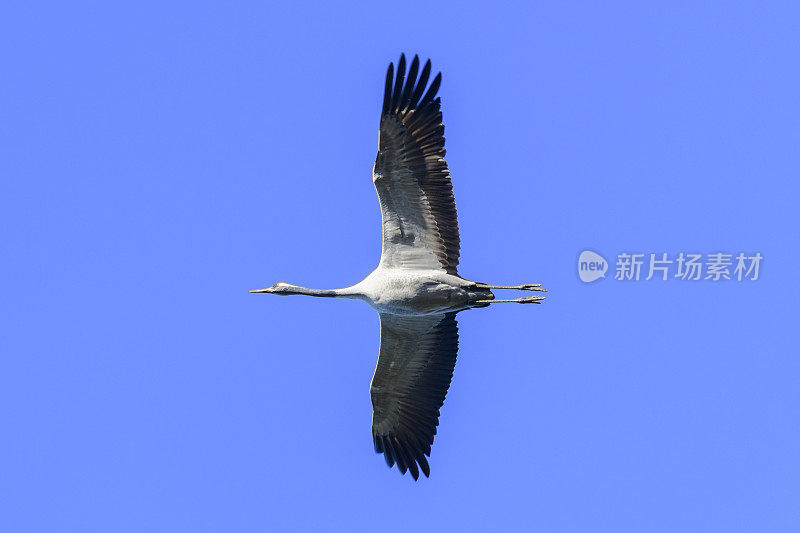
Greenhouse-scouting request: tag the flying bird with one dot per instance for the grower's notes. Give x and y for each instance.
(416, 288)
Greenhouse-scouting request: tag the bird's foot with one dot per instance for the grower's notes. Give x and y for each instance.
(530, 299)
(532, 287)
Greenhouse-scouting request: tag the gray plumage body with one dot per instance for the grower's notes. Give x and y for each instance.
(412, 292)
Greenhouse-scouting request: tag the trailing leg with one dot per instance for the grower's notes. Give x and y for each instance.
(523, 300)
(524, 287)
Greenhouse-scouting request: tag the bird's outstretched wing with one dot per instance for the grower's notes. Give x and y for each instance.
(415, 366)
(418, 211)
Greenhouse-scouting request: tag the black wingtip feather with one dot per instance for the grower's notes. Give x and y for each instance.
(387, 454)
(395, 458)
(398, 84)
(423, 464)
(387, 92)
(410, 80)
(423, 81)
(406, 459)
(412, 467)
(429, 96)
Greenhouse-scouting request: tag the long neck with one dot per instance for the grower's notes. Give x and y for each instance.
(347, 292)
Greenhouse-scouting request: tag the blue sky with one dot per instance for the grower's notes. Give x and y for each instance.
(159, 160)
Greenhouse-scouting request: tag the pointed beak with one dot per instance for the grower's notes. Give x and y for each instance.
(268, 289)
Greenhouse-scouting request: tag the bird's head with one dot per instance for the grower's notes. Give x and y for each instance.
(278, 288)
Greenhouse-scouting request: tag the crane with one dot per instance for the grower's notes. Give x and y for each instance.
(415, 288)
